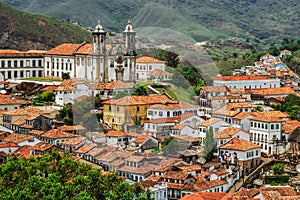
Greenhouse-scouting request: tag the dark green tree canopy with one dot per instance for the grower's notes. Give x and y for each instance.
(59, 176)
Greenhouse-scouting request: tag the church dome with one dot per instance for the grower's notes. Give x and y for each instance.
(129, 27)
(99, 28)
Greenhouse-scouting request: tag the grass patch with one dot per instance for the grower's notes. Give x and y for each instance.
(42, 79)
(278, 179)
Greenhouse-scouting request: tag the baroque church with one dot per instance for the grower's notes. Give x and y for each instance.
(101, 61)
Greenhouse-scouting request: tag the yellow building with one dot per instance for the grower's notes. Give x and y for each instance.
(130, 109)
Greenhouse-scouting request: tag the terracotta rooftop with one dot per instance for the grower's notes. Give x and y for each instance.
(140, 100)
(204, 196)
(71, 128)
(116, 134)
(210, 122)
(8, 101)
(42, 146)
(147, 59)
(174, 106)
(178, 126)
(134, 158)
(49, 87)
(66, 85)
(36, 132)
(142, 169)
(55, 133)
(266, 118)
(113, 85)
(141, 139)
(16, 53)
(159, 72)
(226, 133)
(276, 113)
(18, 138)
(166, 165)
(240, 144)
(63, 49)
(221, 172)
(189, 168)
(29, 110)
(177, 119)
(5, 145)
(215, 89)
(289, 126)
(19, 121)
(273, 91)
(240, 78)
(23, 152)
(73, 141)
(85, 148)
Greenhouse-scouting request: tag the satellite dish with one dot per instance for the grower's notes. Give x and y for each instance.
(298, 168)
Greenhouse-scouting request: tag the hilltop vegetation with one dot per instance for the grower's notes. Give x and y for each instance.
(24, 31)
(260, 21)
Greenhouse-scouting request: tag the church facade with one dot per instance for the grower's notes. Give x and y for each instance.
(96, 62)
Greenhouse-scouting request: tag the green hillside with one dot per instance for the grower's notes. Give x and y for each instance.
(260, 21)
(24, 31)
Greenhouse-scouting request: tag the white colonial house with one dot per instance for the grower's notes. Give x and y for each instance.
(146, 65)
(224, 136)
(246, 82)
(242, 152)
(16, 64)
(171, 110)
(266, 131)
(69, 90)
(217, 124)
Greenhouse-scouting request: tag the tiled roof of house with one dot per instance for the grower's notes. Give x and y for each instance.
(221, 172)
(147, 59)
(228, 97)
(240, 78)
(140, 100)
(55, 133)
(166, 165)
(42, 146)
(134, 158)
(141, 139)
(148, 183)
(266, 118)
(142, 169)
(187, 138)
(84, 49)
(276, 113)
(8, 101)
(9, 144)
(23, 152)
(25, 111)
(85, 148)
(204, 196)
(177, 119)
(239, 144)
(273, 91)
(226, 133)
(113, 85)
(178, 126)
(159, 72)
(210, 122)
(73, 141)
(189, 168)
(63, 49)
(289, 126)
(49, 87)
(117, 163)
(66, 85)
(71, 128)
(153, 177)
(215, 89)
(286, 51)
(231, 109)
(36, 132)
(17, 138)
(174, 106)
(18, 122)
(16, 53)
(116, 134)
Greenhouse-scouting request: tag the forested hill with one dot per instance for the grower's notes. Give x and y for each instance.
(260, 21)
(24, 31)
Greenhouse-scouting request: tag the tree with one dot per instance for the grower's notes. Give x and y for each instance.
(48, 96)
(66, 114)
(139, 90)
(65, 76)
(59, 176)
(171, 58)
(209, 143)
(278, 168)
